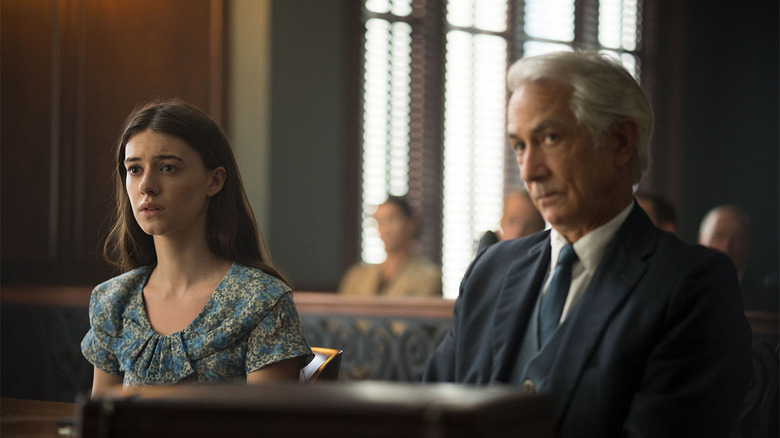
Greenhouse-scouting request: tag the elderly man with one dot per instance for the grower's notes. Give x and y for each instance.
(727, 229)
(630, 331)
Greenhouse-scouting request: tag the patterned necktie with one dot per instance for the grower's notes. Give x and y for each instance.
(555, 298)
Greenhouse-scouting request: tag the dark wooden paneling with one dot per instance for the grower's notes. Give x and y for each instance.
(718, 106)
(131, 54)
(26, 106)
(72, 71)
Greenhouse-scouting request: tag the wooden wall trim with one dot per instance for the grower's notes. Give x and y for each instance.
(44, 296)
(55, 152)
(217, 60)
(310, 303)
(321, 303)
(316, 303)
(72, 74)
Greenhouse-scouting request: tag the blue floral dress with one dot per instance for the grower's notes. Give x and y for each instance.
(250, 321)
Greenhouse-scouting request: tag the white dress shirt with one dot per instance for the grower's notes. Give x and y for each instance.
(590, 250)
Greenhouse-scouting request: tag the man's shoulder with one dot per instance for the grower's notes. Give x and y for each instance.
(489, 270)
(670, 247)
(672, 262)
(515, 247)
(641, 238)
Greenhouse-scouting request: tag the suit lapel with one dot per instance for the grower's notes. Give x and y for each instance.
(615, 278)
(515, 305)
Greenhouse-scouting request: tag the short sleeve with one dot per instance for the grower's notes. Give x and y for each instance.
(107, 305)
(278, 336)
(98, 355)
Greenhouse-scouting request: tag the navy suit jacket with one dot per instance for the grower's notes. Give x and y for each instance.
(657, 346)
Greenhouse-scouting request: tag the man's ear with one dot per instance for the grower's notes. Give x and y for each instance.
(216, 180)
(625, 135)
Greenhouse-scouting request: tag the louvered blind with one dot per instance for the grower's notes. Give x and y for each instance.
(386, 113)
(474, 125)
(434, 106)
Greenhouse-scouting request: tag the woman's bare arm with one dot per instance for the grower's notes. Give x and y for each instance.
(102, 380)
(285, 370)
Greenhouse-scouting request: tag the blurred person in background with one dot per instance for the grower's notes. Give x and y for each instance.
(404, 272)
(727, 229)
(520, 218)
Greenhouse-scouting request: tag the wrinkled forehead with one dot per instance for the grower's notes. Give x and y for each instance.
(537, 103)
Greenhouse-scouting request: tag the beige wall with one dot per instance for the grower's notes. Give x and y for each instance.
(248, 98)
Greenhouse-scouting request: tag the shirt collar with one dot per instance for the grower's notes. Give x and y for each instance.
(589, 248)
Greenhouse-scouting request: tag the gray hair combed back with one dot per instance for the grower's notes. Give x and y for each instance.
(603, 93)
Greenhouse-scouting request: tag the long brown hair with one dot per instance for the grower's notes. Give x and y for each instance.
(231, 228)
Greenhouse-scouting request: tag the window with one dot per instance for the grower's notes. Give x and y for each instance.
(474, 130)
(386, 115)
(434, 99)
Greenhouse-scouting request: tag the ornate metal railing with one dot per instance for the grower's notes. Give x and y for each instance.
(383, 338)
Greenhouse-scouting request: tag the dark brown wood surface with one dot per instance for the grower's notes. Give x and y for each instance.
(35, 418)
(376, 409)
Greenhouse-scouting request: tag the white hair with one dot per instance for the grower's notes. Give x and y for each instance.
(603, 93)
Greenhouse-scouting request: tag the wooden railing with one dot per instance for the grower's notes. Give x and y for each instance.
(383, 338)
(317, 303)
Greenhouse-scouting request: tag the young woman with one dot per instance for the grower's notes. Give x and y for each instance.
(201, 300)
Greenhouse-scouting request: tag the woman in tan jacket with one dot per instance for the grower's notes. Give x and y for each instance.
(403, 273)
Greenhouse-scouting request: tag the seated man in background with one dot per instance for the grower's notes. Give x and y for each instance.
(403, 273)
(629, 330)
(659, 210)
(727, 229)
(520, 218)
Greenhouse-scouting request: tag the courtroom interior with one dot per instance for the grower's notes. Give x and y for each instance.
(331, 107)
